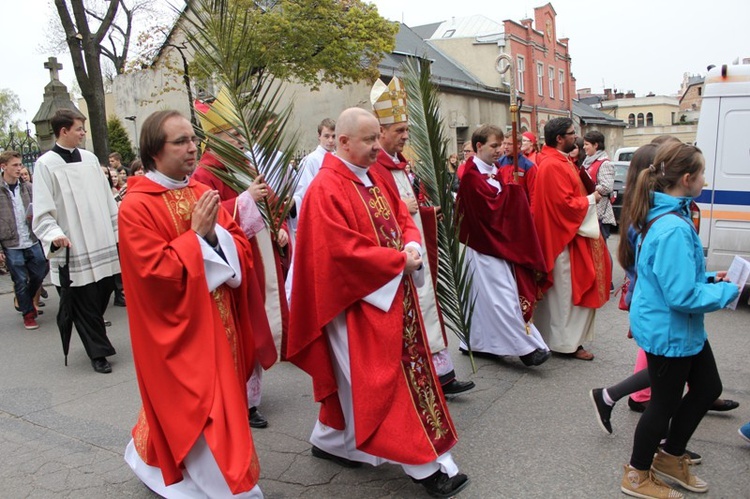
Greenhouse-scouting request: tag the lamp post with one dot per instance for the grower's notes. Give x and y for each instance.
(135, 127)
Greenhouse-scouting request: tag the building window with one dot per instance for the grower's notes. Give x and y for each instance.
(521, 74)
(631, 120)
(700, 91)
(640, 119)
(562, 84)
(551, 73)
(649, 119)
(540, 78)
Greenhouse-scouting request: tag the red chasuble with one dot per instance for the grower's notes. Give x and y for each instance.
(353, 237)
(499, 224)
(559, 207)
(193, 350)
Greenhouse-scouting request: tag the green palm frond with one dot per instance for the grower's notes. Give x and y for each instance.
(220, 34)
(429, 144)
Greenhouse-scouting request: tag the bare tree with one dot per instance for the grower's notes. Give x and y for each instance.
(91, 30)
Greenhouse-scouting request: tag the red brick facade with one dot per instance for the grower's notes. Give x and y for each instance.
(542, 62)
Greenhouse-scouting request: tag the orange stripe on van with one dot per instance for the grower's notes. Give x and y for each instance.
(726, 215)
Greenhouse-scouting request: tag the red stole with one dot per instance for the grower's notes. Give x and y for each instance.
(356, 235)
(499, 224)
(559, 207)
(427, 214)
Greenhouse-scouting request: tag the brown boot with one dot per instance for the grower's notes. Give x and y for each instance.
(677, 468)
(644, 484)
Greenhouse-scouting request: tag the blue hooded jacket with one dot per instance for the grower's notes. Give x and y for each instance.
(673, 289)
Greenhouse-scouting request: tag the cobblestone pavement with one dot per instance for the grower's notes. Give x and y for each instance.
(524, 432)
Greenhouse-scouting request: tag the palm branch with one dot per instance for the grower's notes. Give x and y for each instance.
(429, 144)
(220, 34)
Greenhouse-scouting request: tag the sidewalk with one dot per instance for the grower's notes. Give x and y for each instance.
(524, 432)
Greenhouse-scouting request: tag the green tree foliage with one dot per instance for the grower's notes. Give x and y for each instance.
(119, 141)
(10, 106)
(326, 41)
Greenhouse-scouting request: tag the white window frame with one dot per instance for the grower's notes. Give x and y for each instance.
(562, 84)
(551, 74)
(540, 78)
(521, 75)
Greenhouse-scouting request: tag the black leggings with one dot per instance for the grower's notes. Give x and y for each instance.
(668, 376)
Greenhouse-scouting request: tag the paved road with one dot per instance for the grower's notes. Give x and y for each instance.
(524, 433)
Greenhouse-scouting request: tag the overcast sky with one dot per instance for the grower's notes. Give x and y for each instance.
(640, 45)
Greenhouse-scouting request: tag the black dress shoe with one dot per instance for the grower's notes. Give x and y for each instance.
(101, 365)
(723, 405)
(43, 293)
(256, 419)
(439, 484)
(454, 386)
(341, 461)
(107, 323)
(119, 303)
(483, 355)
(536, 358)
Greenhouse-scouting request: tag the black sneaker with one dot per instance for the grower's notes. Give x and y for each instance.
(694, 457)
(636, 406)
(603, 411)
(439, 484)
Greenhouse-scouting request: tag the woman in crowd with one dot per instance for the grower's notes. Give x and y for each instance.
(529, 147)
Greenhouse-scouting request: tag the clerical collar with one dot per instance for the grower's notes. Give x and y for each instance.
(484, 168)
(68, 155)
(69, 149)
(166, 182)
(360, 172)
(395, 158)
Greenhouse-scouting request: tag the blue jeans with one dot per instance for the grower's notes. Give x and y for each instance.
(27, 267)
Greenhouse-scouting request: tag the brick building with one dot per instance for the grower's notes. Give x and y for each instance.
(542, 62)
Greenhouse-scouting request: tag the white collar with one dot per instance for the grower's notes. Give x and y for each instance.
(360, 172)
(166, 182)
(484, 167)
(66, 148)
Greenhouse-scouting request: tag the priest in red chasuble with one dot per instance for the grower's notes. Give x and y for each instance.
(355, 322)
(575, 254)
(389, 104)
(502, 254)
(185, 263)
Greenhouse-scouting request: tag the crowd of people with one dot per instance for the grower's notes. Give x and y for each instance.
(210, 284)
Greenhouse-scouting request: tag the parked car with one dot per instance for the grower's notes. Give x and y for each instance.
(624, 154)
(618, 192)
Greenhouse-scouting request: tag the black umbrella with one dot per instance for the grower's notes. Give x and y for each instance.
(64, 312)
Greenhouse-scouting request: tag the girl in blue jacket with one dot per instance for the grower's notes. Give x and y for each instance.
(672, 292)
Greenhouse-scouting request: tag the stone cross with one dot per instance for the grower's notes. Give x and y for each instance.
(53, 67)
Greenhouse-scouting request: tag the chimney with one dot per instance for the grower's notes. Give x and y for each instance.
(565, 41)
(527, 23)
(619, 95)
(630, 95)
(607, 94)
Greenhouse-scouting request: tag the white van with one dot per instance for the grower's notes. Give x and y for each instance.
(724, 137)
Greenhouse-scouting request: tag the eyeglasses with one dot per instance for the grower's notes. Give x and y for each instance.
(570, 133)
(467, 151)
(183, 141)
